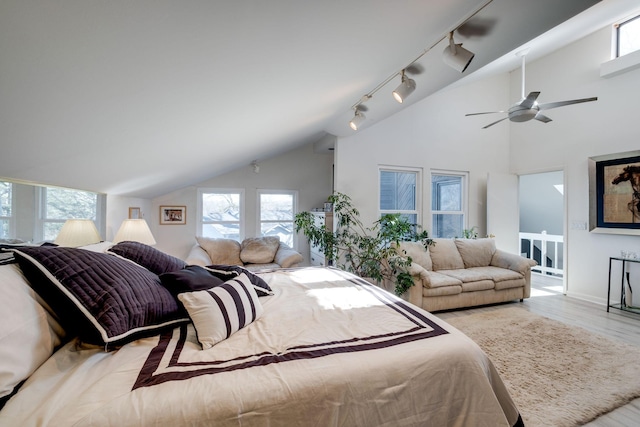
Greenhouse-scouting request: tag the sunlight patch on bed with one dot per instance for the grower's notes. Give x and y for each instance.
(343, 298)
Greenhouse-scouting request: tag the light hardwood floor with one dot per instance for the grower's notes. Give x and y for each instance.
(547, 300)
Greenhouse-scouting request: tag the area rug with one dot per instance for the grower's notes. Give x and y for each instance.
(558, 375)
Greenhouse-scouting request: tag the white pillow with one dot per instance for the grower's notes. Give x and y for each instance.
(28, 332)
(219, 312)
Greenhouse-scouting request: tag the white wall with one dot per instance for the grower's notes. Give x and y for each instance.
(300, 169)
(576, 133)
(431, 134)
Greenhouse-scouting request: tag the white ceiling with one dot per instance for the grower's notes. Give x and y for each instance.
(143, 97)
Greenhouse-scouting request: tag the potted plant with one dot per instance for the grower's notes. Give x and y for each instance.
(369, 252)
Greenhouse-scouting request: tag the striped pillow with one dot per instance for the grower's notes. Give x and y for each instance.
(219, 312)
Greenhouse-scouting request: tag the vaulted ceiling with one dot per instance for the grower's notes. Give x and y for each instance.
(143, 97)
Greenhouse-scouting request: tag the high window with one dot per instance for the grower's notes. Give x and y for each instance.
(60, 204)
(277, 210)
(448, 203)
(628, 36)
(399, 192)
(221, 213)
(6, 211)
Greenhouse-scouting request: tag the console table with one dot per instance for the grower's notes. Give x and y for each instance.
(622, 305)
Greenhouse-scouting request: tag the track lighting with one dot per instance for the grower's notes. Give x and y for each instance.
(358, 118)
(406, 87)
(456, 56)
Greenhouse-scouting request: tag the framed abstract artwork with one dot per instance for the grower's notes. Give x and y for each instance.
(614, 193)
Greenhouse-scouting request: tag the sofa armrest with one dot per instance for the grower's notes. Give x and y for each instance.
(198, 256)
(287, 257)
(512, 261)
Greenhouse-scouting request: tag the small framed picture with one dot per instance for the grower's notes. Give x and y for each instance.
(173, 215)
(134, 213)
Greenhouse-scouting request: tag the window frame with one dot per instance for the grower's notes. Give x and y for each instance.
(11, 229)
(617, 28)
(417, 191)
(41, 208)
(464, 198)
(241, 222)
(294, 194)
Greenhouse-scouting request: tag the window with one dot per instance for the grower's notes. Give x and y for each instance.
(399, 193)
(221, 213)
(628, 36)
(448, 203)
(59, 204)
(6, 210)
(277, 210)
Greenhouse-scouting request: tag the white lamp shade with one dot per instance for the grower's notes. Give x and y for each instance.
(77, 232)
(457, 57)
(135, 230)
(404, 89)
(357, 119)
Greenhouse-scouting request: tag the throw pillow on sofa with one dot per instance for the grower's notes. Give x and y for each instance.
(259, 250)
(221, 251)
(476, 252)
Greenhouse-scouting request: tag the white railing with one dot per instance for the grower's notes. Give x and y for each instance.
(550, 246)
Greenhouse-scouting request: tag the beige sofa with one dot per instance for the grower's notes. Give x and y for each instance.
(457, 273)
(256, 253)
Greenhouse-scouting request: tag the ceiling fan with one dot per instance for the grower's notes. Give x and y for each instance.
(528, 108)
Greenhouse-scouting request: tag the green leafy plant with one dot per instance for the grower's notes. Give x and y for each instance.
(370, 252)
(470, 233)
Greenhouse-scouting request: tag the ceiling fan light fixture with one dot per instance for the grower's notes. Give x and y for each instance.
(358, 118)
(455, 56)
(404, 89)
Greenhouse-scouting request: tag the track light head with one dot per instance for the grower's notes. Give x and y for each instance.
(358, 118)
(456, 56)
(404, 89)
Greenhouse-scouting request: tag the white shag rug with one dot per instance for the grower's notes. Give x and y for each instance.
(558, 375)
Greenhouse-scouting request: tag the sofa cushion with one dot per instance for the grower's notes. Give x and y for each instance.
(476, 252)
(259, 250)
(478, 285)
(287, 257)
(442, 291)
(221, 251)
(418, 253)
(468, 274)
(498, 274)
(508, 284)
(438, 280)
(445, 255)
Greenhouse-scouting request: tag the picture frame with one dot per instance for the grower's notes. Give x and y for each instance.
(173, 215)
(135, 213)
(614, 193)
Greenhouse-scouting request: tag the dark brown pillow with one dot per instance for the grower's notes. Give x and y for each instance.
(101, 298)
(148, 257)
(190, 279)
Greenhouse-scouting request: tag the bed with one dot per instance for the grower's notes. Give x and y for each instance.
(309, 346)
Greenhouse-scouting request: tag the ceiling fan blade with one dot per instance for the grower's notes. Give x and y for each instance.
(542, 118)
(486, 112)
(529, 100)
(551, 105)
(497, 121)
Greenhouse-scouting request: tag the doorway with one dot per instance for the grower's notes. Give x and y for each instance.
(541, 206)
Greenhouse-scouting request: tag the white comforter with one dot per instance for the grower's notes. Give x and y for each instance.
(329, 350)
